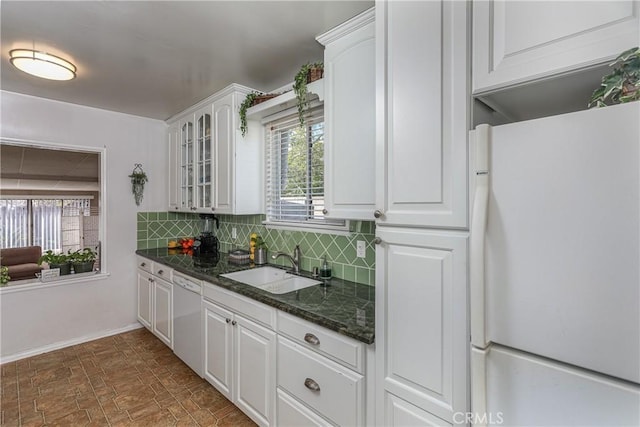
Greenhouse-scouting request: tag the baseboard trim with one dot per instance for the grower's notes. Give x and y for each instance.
(68, 343)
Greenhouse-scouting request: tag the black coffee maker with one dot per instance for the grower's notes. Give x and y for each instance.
(207, 243)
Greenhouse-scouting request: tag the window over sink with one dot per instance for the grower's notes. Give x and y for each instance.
(295, 173)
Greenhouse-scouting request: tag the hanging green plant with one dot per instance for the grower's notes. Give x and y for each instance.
(253, 98)
(308, 73)
(248, 102)
(622, 84)
(138, 179)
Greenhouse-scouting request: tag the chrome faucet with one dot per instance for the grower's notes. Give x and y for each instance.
(295, 259)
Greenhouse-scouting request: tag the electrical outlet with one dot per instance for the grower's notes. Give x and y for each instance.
(234, 233)
(361, 249)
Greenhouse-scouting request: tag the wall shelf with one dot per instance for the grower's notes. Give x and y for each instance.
(285, 101)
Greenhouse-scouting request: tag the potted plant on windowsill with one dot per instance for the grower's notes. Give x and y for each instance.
(83, 260)
(622, 84)
(55, 260)
(308, 73)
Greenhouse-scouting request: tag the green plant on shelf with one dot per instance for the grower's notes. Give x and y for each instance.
(300, 87)
(53, 258)
(82, 256)
(622, 84)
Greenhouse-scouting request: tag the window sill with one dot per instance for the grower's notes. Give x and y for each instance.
(33, 284)
(340, 230)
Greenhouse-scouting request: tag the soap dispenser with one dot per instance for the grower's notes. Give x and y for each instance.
(325, 270)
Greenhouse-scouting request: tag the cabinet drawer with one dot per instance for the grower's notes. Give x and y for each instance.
(329, 388)
(292, 413)
(244, 306)
(339, 348)
(145, 264)
(163, 271)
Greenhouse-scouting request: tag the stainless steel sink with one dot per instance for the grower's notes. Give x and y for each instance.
(272, 280)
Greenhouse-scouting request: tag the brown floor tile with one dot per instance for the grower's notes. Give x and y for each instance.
(130, 379)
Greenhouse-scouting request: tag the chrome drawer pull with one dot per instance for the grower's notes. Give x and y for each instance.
(311, 385)
(234, 323)
(142, 264)
(161, 272)
(311, 339)
(228, 320)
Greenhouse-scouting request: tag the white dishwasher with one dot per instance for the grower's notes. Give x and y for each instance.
(187, 323)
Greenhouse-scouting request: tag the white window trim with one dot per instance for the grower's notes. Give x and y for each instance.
(341, 230)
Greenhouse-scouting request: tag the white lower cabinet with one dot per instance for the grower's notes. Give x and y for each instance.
(145, 291)
(421, 325)
(321, 376)
(162, 311)
(155, 300)
(292, 413)
(240, 358)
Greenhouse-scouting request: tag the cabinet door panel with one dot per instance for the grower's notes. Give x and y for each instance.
(511, 45)
(223, 146)
(218, 347)
(162, 311)
(421, 318)
(350, 125)
(145, 287)
(174, 167)
(255, 371)
(423, 110)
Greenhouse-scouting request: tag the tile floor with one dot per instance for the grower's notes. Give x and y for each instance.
(130, 379)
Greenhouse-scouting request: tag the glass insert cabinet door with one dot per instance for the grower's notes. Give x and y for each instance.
(204, 164)
(187, 148)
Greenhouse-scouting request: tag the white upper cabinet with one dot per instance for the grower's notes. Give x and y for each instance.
(349, 113)
(204, 161)
(520, 41)
(215, 169)
(422, 113)
(174, 167)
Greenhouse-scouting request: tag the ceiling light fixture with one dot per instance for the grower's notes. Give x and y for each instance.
(42, 64)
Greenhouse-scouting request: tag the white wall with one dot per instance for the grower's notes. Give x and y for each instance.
(39, 319)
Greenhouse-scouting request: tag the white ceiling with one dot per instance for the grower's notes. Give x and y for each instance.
(156, 58)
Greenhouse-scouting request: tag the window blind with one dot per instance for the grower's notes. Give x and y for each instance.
(295, 170)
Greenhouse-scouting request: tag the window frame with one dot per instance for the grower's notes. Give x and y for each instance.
(102, 154)
(328, 226)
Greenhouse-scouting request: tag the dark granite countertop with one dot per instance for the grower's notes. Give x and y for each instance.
(345, 307)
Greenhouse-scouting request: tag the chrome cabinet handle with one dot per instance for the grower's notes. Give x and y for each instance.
(212, 208)
(311, 385)
(377, 240)
(143, 264)
(311, 339)
(324, 211)
(228, 320)
(378, 213)
(234, 323)
(161, 272)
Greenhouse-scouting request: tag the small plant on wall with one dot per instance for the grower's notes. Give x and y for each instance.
(622, 84)
(308, 73)
(138, 179)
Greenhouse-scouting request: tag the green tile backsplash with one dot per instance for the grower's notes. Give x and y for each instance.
(155, 229)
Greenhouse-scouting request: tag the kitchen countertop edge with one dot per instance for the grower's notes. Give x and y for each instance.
(363, 334)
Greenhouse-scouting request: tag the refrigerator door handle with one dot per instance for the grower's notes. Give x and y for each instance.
(477, 235)
(479, 386)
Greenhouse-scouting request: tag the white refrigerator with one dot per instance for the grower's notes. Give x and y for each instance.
(555, 270)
